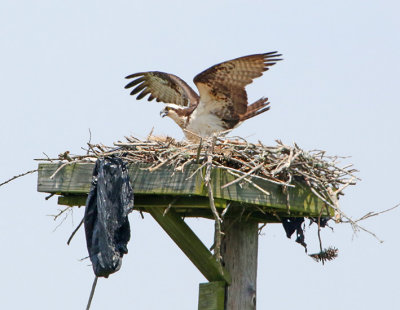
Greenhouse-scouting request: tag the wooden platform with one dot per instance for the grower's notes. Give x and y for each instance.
(186, 192)
(231, 285)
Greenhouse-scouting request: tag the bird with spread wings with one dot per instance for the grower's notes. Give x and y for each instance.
(222, 104)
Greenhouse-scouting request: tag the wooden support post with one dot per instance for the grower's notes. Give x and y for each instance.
(186, 193)
(212, 295)
(239, 252)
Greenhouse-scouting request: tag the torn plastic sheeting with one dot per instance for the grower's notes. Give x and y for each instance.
(293, 224)
(107, 228)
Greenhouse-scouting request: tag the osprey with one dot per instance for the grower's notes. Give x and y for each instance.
(222, 104)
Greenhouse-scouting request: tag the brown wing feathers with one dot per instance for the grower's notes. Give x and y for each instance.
(227, 80)
(239, 72)
(222, 85)
(256, 108)
(163, 87)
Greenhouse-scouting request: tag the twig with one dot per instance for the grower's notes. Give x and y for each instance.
(48, 158)
(355, 226)
(90, 140)
(256, 176)
(261, 228)
(252, 183)
(319, 233)
(131, 144)
(18, 176)
(62, 166)
(198, 151)
(92, 292)
(150, 134)
(75, 230)
(218, 233)
(243, 176)
(371, 214)
(199, 168)
(162, 163)
(340, 190)
(55, 217)
(207, 179)
(48, 197)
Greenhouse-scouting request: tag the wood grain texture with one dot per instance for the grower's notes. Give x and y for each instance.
(76, 179)
(212, 296)
(186, 206)
(239, 252)
(190, 244)
(161, 201)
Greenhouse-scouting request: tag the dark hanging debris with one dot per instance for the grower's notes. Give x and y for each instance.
(323, 221)
(293, 224)
(106, 216)
(325, 255)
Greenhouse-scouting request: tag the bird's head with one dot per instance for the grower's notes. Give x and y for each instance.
(174, 111)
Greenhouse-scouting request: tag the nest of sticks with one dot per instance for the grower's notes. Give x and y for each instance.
(280, 164)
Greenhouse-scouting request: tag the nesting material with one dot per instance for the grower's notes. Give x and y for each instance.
(285, 165)
(280, 164)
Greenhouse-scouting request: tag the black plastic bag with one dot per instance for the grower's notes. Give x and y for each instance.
(106, 215)
(293, 224)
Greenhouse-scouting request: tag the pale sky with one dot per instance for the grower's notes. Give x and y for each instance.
(62, 70)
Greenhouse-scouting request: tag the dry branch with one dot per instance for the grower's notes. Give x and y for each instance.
(217, 218)
(18, 176)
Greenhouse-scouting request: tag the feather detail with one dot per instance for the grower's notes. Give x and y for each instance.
(225, 83)
(222, 104)
(165, 87)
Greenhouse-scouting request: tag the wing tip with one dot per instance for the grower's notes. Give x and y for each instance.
(135, 75)
(270, 59)
(271, 56)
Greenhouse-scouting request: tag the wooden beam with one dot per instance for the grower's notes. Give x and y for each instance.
(187, 206)
(212, 295)
(161, 201)
(239, 252)
(190, 244)
(76, 179)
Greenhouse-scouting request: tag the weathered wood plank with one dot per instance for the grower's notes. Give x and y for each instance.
(186, 206)
(301, 198)
(190, 244)
(212, 296)
(162, 201)
(239, 252)
(76, 179)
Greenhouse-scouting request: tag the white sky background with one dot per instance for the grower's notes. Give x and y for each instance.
(62, 70)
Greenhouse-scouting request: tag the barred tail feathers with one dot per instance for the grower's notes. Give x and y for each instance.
(256, 108)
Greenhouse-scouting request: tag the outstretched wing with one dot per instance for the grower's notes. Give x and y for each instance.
(223, 85)
(163, 87)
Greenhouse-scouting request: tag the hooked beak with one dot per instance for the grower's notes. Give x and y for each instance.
(163, 113)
